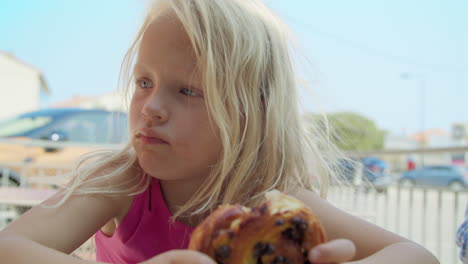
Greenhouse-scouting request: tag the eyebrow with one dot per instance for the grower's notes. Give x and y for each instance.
(187, 79)
(139, 67)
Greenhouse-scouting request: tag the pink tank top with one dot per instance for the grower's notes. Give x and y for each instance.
(145, 231)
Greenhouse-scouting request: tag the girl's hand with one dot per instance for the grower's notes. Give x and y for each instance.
(180, 257)
(335, 251)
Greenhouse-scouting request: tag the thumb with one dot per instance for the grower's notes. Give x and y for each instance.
(335, 251)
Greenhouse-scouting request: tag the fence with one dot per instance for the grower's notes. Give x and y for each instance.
(428, 216)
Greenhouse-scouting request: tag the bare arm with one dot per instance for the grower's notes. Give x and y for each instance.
(402, 252)
(66, 227)
(38, 254)
(48, 234)
(372, 243)
(14, 249)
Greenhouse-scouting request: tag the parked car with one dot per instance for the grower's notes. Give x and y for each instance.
(366, 172)
(89, 128)
(374, 168)
(376, 171)
(453, 176)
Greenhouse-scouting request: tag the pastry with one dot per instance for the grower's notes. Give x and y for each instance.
(280, 230)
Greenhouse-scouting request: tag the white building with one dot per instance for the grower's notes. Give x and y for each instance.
(21, 86)
(430, 139)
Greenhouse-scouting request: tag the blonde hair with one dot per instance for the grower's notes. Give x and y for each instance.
(251, 96)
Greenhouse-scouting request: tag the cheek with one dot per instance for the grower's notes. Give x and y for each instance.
(135, 111)
(200, 142)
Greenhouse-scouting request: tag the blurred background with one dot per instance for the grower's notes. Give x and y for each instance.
(391, 76)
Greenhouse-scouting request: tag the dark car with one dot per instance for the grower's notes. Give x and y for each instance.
(68, 124)
(453, 176)
(90, 128)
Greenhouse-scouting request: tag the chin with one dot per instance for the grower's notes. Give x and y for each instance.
(158, 172)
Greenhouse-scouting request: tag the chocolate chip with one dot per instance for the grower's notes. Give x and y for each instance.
(269, 249)
(279, 222)
(299, 223)
(305, 254)
(222, 252)
(261, 249)
(294, 234)
(295, 220)
(258, 249)
(302, 227)
(280, 260)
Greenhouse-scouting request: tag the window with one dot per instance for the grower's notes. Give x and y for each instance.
(21, 126)
(88, 127)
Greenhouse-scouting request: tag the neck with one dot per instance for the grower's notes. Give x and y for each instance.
(178, 192)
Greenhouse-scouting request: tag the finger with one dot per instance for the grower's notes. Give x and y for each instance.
(184, 257)
(339, 250)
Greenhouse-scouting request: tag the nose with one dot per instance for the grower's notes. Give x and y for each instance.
(154, 110)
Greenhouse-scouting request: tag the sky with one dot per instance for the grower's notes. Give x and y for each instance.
(356, 52)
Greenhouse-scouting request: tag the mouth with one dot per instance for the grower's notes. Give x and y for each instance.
(148, 136)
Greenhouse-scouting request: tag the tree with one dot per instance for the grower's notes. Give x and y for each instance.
(350, 131)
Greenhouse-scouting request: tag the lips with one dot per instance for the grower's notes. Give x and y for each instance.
(149, 136)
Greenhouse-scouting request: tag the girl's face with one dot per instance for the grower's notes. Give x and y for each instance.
(172, 135)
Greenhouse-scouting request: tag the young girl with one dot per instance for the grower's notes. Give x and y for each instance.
(214, 119)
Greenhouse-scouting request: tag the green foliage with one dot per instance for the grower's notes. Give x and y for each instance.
(350, 131)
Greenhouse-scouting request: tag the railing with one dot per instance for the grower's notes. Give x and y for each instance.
(429, 217)
(31, 177)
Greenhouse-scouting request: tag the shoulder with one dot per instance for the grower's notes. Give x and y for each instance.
(69, 218)
(113, 185)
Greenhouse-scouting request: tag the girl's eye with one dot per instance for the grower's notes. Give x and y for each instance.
(189, 92)
(143, 83)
